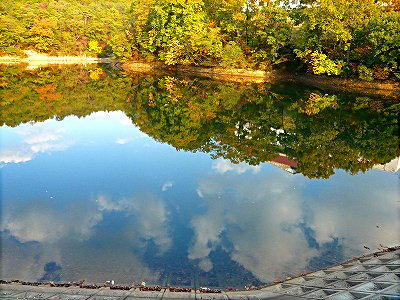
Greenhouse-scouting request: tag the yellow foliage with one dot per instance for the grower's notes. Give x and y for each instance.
(48, 92)
(96, 74)
(239, 17)
(44, 27)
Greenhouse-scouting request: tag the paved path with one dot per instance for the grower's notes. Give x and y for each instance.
(375, 276)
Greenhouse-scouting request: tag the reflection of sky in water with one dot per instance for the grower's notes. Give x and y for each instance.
(94, 198)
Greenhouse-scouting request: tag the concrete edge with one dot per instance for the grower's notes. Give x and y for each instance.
(266, 292)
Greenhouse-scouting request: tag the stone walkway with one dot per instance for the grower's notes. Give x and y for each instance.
(374, 276)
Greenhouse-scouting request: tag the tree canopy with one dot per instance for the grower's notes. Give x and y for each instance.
(359, 38)
(66, 27)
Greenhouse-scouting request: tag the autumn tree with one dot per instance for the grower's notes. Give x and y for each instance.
(67, 27)
(178, 32)
(354, 37)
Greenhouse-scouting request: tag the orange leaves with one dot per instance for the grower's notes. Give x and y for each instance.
(48, 92)
(44, 27)
(392, 5)
(43, 5)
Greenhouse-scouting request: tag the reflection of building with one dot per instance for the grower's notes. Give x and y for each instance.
(392, 166)
(285, 163)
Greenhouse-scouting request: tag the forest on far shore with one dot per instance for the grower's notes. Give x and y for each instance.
(349, 38)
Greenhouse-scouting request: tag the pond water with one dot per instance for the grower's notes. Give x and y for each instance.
(188, 181)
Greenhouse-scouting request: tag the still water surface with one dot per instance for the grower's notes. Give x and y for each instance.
(189, 181)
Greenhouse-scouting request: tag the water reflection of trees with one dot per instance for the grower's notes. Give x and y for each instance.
(240, 122)
(254, 123)
(41, 94)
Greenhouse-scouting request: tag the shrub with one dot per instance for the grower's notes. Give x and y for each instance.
(365, 73)
(232, 56)
(320, 62)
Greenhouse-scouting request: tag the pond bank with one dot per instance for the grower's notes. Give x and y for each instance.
(35, 59)
(386, 89)
(237, 75)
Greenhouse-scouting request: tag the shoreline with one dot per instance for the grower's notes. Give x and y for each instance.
(56, 60)
(217, 73)
(387, 89)
(351, 277)
(35, 58)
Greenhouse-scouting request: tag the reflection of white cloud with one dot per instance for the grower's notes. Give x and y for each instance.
(351, 213)
(207, 233)
(206, 265)
(34, 234)
(41, 223)
(199, 193)
(259, 218)
(41, 137)
(78, 260)
(8, 156)
(118, 116)
(35, 139)
(222, 166)
(150, 218)
(256, 219)
(122, 141)
(167, 185)
(25, 261)
(47, 147)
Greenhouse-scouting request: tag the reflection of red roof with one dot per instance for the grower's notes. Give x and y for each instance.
(281, 159)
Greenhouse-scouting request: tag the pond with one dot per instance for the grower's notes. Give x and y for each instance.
(186, 181)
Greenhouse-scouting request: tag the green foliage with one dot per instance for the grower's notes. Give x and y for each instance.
(358, 32)
(232, 56)
(316, 103)
(320, 63)
(42, 94)
(268, 33)
(179, 33)
(260, 28)
(378, 43)
(240, 122)
(358, 38)
(365, 73)
(231, 17)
